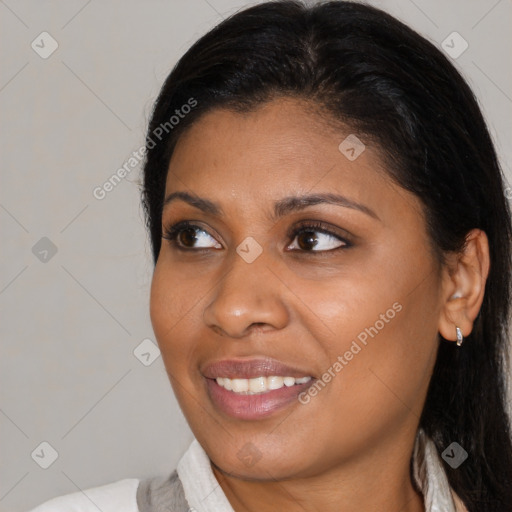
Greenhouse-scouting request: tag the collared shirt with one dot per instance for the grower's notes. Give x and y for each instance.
(193, 487)
(204, 493)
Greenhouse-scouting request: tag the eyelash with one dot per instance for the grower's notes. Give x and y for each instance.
(171, 233)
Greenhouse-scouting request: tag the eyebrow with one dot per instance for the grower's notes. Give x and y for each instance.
(281, 208)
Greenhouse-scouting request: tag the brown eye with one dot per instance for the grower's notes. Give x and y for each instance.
(189, 236)
(307, 240)
(316, 239)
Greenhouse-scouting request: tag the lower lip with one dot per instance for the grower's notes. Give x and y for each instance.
(254, 407)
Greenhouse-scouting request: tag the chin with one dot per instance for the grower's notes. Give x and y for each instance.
(249, 463)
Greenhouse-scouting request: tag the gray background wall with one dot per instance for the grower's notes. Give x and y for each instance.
(74, 305)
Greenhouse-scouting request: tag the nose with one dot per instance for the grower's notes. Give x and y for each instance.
(248, 295)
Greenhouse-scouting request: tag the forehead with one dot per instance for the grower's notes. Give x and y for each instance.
(281, 148)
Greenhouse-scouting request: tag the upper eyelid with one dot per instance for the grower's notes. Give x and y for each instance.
(185, 224)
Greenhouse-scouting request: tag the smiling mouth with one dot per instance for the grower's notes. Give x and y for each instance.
(256, 398)
(254, 388)
(259, 385)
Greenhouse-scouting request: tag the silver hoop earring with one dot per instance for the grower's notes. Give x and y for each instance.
(460, 337)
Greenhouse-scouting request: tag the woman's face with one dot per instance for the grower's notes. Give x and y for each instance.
(302, 260)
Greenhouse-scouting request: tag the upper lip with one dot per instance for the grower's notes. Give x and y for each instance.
(251, 368)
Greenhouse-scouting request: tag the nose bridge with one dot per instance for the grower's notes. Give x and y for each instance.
(248, 294)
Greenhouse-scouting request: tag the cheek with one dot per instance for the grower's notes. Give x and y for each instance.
(379, 337)
(162, 308)
(172, 305)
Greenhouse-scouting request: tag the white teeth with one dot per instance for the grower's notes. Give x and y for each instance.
(289, 381)
(259, 384)
(239, 385)
(275, 382)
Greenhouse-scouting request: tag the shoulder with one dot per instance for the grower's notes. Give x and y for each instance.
(118, 496)
(162, 493)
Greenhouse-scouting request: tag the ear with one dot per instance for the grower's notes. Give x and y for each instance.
(464, 277)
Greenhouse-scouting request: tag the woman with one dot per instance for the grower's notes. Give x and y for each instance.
(331, 289)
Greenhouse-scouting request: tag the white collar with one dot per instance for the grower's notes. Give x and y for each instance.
(429, 474)
(202, 490)
(204, 494)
